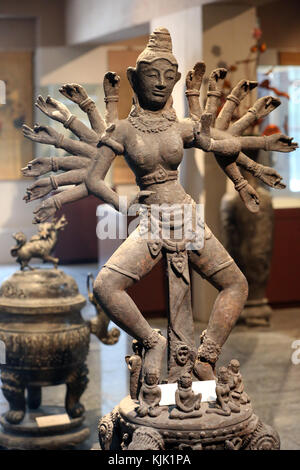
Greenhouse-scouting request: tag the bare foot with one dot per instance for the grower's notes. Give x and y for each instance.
(204, 371)
(154, 355)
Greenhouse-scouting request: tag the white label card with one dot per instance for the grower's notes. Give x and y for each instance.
(52, 420)
(206, 387)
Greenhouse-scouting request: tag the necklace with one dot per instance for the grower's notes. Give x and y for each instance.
(146, 121)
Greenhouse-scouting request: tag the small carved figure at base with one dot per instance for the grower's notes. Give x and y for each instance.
(187, 403)
(224, 402)
(238, 392)
(134, 364)
(150, 396)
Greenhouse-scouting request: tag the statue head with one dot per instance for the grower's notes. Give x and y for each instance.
(156, 72)
(185, 381)
(182, 354)
(234, 366)
(223, 375)
(151, 377)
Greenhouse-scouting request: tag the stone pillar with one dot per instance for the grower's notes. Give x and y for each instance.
(185, 28)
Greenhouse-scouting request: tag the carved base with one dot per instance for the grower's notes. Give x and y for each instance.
(123, 429)
(27, 435)
(256, 313)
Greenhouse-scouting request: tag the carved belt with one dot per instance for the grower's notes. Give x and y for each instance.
(158, 176)
(191, 235)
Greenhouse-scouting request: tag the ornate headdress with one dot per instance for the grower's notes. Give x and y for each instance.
(158, 47)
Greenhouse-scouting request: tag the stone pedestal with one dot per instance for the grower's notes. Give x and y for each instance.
(124, 429)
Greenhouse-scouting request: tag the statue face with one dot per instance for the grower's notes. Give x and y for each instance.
(151, 378)
(182, 355)
(185, 381)
(234, 366)
(155, 82)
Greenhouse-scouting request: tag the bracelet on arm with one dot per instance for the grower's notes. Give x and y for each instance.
(108, 99)
(234, 99)
(59, 141)
(57, 203)
(253, 111)
(53, 182)
(192, 92)
(85, 104)
(54, 164)
(240, 184)
(69, 121)
(257, 170)
(216, 93)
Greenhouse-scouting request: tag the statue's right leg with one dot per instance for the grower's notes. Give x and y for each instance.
(14, 391)
(130, 262)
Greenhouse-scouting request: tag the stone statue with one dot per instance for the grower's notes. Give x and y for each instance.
(152, 140)
(187, 403)
(238, 392)
(224, 403)
(248, 238)
(134, 364)
(40, 245)
(150, 396)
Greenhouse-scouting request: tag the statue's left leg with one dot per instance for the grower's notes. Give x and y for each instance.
(215, 264)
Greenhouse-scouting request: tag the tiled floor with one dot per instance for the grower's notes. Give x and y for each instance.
(271, 379)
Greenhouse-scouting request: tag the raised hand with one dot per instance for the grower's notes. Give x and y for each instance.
(194, 77)
(280, 143)
(37, 167)
(216, 79)
(265, 105)
(42, 134)
(250, 198)
(44, 211)
(111, 84)
(242, 89)
(38, 189)
(54, 109)
(74, 92)
(270, 177)
(202, 137)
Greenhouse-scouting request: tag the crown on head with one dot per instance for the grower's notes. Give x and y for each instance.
(159, 47)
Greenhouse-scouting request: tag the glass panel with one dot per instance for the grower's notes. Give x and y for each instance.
(287, 118)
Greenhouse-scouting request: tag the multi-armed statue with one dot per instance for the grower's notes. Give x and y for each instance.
(152, 140)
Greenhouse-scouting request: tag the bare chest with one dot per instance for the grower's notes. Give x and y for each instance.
(145, 151)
